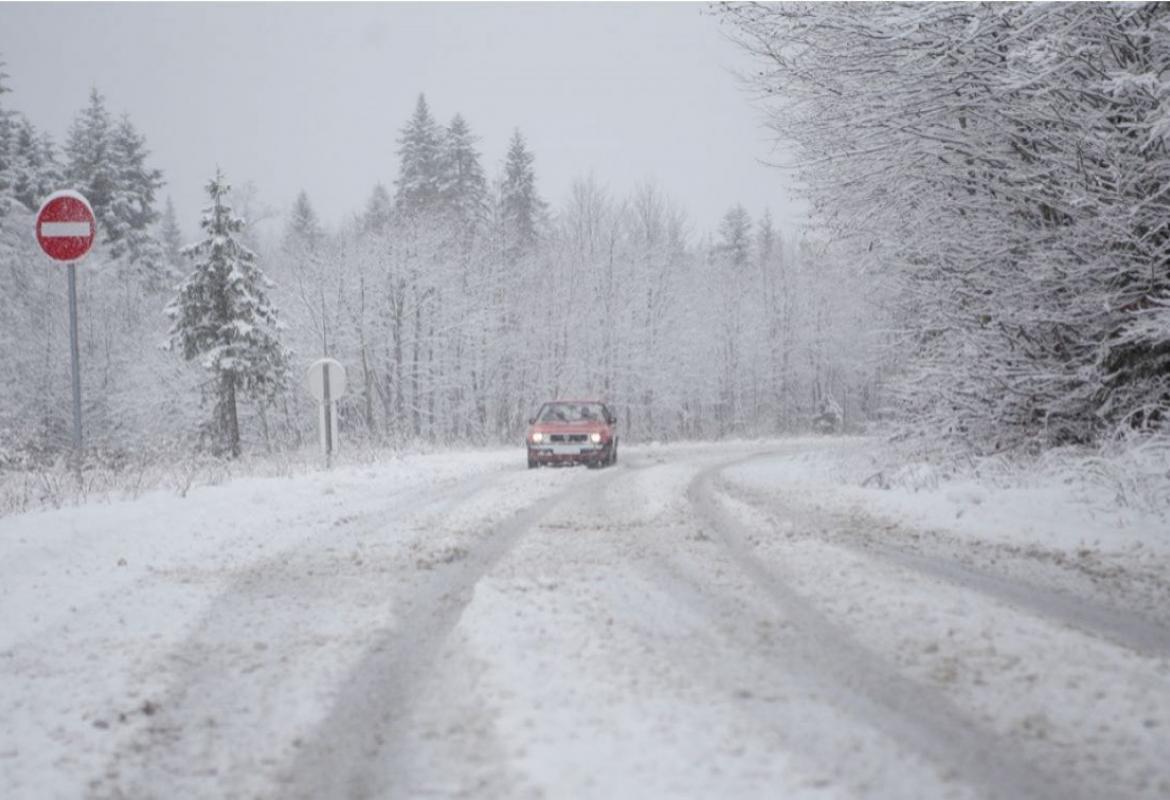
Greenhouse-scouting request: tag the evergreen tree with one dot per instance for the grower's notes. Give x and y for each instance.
(463, 188)
(419, 184)
(107, 164)
(91, 168)
(735, 238)
(765, 239)
(379, 209)
(7, 145)
(28, 159)
(36, 172)
(133, 201)
(521, 207)
(304, 229)
(222, 315)
(303, 249)
(170, 235)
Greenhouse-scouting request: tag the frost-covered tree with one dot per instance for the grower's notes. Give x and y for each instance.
(28, 159)
(106, 162)
(520, 205)
(419, 187)
(35, 171)
(222, 316)
(171, 235)
(90, 166)
(131, 211)
(734, 300)
(306, 261)
(7, 145)
(735, 237)
(463, 188)
(378, 212)
(1000, 172)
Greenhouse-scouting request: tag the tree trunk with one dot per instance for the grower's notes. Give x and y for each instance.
(230, 419)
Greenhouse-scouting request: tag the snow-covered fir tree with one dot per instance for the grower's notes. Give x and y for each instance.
(28, 158)
(90, 166)
(463, 188)
(132, 213)
(170, 235)
(418, 189)
(378, 212)
(222, 316)
(7, 138)
(735, 237)
(520, 206)
(106, 162)
(303, 253)
(36, 173)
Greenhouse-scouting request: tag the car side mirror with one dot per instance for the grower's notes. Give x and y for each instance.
(532, 420)
(611, 419)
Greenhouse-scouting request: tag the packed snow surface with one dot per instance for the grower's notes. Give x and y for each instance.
(723, 620)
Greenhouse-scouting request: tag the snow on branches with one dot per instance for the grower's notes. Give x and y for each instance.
(1006, 166)
(223, 317)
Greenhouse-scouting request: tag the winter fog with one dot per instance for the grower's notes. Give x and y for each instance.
(584, 400)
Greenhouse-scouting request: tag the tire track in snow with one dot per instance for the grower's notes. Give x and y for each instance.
(1126, 628)
(224, 680)
(913, 714)
(362, 749)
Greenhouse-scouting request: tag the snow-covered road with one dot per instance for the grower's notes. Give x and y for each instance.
(690, 623)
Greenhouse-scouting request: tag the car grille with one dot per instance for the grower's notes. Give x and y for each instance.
(568, 437)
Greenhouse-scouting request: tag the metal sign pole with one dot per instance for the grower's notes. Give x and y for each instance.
(328, 401)
(75, 359)
(325, 380)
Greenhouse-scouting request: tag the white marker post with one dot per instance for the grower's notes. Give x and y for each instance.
(65, 230)
(325, 381)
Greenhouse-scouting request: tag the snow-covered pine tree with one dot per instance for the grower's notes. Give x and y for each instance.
(90, 166)
(132, 212)
(36, 172)
(729, 289)
(303, 225)
(106, 162)
(302, 250)
(418, 189)
(521, 206)
(222, 316)
(170, 236)
(378, 212)
(463, 188)
(735, 237)
(28, 158)
(7, 145)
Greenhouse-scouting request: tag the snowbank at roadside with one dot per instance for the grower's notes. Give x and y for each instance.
(1068, 502)
(98, 600)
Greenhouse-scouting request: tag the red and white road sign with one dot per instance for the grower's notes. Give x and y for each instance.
(65, 226)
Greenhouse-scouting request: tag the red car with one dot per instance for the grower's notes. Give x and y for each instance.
(573, 432)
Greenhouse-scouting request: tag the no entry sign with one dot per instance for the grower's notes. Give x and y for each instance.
(65, 226)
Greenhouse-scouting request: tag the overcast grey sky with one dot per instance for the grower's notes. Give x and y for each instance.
(312, 96)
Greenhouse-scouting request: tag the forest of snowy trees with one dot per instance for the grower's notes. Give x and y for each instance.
(1001, 172)
(988, 263)
(458, 299)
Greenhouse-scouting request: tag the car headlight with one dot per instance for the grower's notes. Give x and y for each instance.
(595, 438)
(537, 437)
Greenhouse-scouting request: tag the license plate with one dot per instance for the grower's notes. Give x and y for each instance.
(568, 449)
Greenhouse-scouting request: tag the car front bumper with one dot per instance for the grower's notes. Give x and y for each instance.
(567, 453)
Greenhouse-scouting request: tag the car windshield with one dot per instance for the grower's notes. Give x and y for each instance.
(572, 412)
